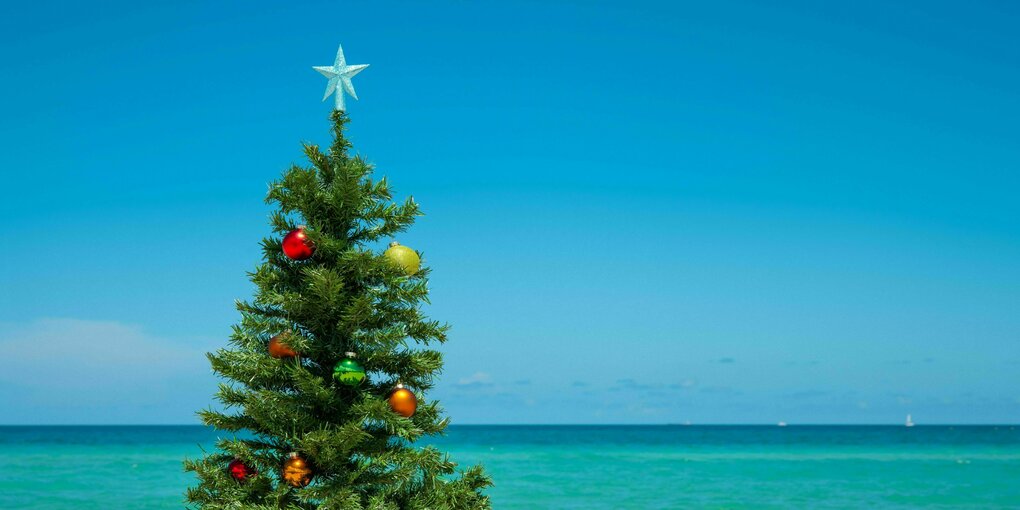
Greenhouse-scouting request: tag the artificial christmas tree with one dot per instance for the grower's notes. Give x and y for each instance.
(303, 436)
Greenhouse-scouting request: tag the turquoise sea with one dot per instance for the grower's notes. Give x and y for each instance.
(576, 467)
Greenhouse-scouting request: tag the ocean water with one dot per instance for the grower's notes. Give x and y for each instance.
(576, 467)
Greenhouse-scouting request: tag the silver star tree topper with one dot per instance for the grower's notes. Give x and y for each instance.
(340, 75)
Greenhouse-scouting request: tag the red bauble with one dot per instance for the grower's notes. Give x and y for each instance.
(297, 245)
(240, 471)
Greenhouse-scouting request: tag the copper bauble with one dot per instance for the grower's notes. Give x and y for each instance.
(279, 349)
(297, 245)
(240, 471)
(403, 401)
(403, 257)
(296, 471)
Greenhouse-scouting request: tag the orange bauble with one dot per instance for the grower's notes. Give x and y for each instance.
(278, 349)
(403, 401)
(296, 471)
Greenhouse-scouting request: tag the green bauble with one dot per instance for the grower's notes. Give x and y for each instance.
(349, 372)
(403, 257)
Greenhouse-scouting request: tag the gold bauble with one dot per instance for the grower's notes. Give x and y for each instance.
(296, 471)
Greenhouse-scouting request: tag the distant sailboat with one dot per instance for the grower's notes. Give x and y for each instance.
(781, 424)
(910, 422)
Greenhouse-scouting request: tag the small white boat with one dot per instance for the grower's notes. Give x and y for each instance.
(781, 424)
(910, 421)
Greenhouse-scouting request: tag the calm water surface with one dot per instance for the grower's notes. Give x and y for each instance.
(575, 467)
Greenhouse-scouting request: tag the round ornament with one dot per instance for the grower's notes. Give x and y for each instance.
(239, 470)
(297, 245)
(349, 372)
(296, 471)
(279, 349)
(403, 257)
(403, 401)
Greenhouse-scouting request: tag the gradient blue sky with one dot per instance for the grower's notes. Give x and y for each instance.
(637, 212)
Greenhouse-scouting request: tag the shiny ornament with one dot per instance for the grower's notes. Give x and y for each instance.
(349, 372)
(403, 401)
(296, 471)
(279, 349)
(240, 471)
(403, 257)
(297, 245)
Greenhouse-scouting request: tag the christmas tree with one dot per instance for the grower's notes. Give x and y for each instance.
(330, 361)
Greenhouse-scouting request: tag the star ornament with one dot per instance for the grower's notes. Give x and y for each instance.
(340, 75)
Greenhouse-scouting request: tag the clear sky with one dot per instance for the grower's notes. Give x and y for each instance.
(720, 212)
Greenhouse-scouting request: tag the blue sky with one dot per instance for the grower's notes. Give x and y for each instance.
(718, 212)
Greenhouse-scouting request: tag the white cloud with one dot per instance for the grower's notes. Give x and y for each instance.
(476, 379)
(80, 371)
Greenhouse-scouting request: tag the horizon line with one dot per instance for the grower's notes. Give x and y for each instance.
(784, 425)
